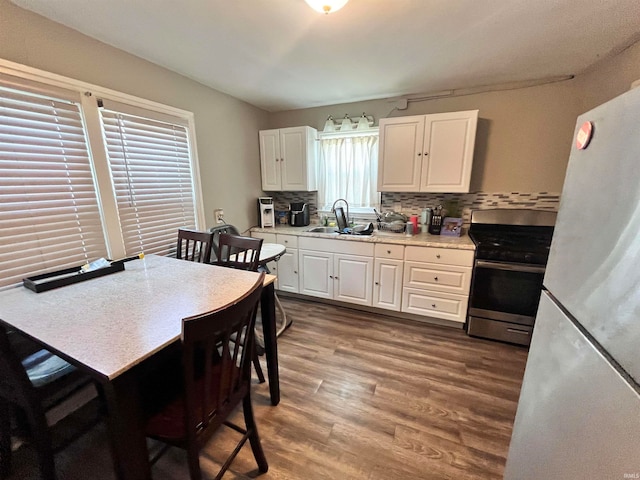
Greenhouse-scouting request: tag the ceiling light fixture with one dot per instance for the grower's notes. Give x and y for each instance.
(326, 6)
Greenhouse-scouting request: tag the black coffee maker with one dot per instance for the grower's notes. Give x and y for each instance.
(299, 214)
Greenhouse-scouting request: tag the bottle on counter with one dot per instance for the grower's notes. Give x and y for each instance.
(425, 218)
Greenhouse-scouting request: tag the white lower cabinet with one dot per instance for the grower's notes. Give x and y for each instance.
(316, 273)
(387, 276)
(353, 277)
(425, 281)
(436, 282)
(337, 270)
(286, 268)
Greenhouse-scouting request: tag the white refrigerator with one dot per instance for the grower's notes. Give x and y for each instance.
(579, 410)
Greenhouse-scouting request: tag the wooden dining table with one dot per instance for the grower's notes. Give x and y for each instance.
(113, 326)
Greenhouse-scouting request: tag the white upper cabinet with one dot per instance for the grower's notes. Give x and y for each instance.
(427, 153)
(288, 159)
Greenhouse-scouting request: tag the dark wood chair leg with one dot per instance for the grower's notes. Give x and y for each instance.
(41, 438)
(258, 368)
(254, 438)
(5, 438)
(193, 458)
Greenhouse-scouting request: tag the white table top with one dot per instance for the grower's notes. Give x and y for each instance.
(271, 251)
(111, 323)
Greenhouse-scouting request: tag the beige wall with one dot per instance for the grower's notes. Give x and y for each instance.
(522, 144)
(226, 128)
(609, 78)
(524, 135)
(523, 138)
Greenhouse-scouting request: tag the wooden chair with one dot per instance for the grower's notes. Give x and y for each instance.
(28, 387)
(235, 251)
(194, 245)
(238, 252)
(214, 379)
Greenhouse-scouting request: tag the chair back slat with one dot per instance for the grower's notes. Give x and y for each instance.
(194, 245)
(217, 369)
(239, 252)
(15, 385)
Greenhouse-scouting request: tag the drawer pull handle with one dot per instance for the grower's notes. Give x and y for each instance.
(377, 283)
(438, 256)
(520, 332)
(330, 276)
(389, 252)
(295, 271)
(433, 305)
(336, 278)
(435, 278)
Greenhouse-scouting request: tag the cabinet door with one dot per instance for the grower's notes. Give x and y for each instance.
(293, 164)
(288, 271)
(387, 284)
(270, 160)
(400, 154)
(316, 273)
(449, 140)
(353, 278)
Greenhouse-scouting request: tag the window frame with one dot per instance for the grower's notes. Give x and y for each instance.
(365, 213)
(89, 93)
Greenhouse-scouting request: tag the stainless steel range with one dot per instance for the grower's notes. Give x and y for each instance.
(512, 247)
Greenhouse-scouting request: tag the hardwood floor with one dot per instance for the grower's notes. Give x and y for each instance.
(363, 397)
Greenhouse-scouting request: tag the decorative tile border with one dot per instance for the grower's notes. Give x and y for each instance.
(413, 203)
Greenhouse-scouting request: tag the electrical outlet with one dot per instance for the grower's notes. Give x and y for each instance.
(218, 214)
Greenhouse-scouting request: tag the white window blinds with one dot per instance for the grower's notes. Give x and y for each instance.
(152, 176)
(49, 217)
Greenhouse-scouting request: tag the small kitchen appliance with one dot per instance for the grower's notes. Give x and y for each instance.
(266, 213)
(299, 214)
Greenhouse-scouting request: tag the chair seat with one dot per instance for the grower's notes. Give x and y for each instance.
(169, 425)
(43, 367)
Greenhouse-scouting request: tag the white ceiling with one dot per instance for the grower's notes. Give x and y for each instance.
(281, 55)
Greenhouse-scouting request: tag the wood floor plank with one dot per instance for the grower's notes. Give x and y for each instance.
(364, 397)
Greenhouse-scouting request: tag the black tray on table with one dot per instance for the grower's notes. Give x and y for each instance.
(68, 276)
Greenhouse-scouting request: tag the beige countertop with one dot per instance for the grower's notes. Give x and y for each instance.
(422, 239)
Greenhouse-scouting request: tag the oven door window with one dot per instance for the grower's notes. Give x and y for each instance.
(506, 291)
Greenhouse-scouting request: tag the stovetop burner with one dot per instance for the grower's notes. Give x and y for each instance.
(512, 243)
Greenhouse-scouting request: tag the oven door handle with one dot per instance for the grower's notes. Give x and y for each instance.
(512, 267)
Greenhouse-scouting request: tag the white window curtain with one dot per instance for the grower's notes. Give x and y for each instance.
(150, 165)
(348, 169)
(50, 217)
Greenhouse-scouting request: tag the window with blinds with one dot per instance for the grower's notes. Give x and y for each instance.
(50, 217)
(151, 170)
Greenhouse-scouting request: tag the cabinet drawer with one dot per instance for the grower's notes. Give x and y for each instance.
(289, 241)
(386, 250)
(445, 278)
(447, 306)
(446, 256)
(336, 246)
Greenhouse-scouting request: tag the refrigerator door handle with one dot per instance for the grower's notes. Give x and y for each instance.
(512, 267)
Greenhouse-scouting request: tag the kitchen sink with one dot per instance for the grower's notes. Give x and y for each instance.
(323, 230)
(365, 229)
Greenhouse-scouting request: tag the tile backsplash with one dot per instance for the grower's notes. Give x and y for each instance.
(413, 203)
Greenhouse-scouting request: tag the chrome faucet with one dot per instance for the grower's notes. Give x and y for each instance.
(333, 209)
